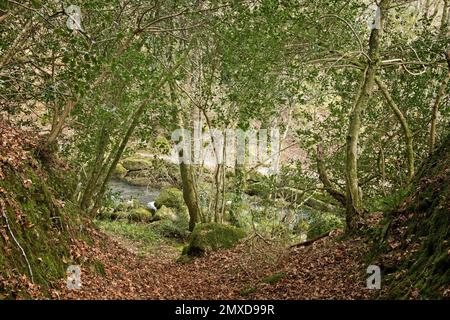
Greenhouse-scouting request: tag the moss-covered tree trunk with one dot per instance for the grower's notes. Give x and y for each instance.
(436, 104)
(404, 124)
(354, 206)
(96, 171)
(190, 194)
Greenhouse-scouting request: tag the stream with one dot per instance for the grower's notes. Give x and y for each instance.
(127, 191)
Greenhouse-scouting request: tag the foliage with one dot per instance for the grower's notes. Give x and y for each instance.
(322, 222)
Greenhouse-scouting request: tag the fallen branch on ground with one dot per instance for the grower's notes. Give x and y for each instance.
(310, 242)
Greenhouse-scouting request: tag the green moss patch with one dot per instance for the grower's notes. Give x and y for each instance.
(208, 237)
(274, 278)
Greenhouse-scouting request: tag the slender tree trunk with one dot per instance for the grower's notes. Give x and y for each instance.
(405, 127)
(59, 122)
(135, 119)
(444, 20)
(436, 104)
(189, 193)
(354, 208)
(189, 186)
(96, 170)
(336, 194)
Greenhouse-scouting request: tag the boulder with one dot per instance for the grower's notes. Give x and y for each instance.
(171, 198)
(119, 171)
(166, 213)
(134, 164)
(140, 215)
(208, 237)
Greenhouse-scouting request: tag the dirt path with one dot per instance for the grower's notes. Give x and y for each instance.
(326, 270)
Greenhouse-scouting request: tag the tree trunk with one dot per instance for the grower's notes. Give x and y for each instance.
(59, 122)
(405, 127)
(323, 177)
(437, 102)
(96, 171)
(135, 118)
(189, 193)
(354, 208)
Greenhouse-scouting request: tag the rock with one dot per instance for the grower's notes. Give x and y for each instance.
(166, 213)
(115, 215)
(133, 164)
(140, 215)
(127, 205)
(171, 198)
(119, 171)
(208, 237)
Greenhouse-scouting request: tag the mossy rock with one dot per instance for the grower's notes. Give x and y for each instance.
(165, 213)
(113, 215)
(171, 198)
(119, 171)
(140, 215)
(208, 237)
(126, 206)
(177, 230)
(133, 164)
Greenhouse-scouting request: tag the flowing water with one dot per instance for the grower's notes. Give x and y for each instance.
(127, 191)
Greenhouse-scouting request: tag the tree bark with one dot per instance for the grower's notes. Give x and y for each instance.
(405, 127)
(96, 171)
(437, 102)
(189, 193)
(323, 177)
(354, 208)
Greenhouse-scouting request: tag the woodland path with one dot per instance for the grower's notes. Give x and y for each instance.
(328, 269)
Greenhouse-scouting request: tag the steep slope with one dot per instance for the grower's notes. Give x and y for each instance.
(37, 221)
(414, 243)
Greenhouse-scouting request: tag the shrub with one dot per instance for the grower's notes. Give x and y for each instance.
(323, 222)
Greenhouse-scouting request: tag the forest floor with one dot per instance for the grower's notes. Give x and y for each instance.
(328, 269)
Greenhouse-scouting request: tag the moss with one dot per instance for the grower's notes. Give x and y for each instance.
(165, 213)
(119, 171)
(184, 259)
(422, 221)
(140, 215)
(171, 229)
(43, 230)
(247, 291)
(133, 164)
(113, 215)
(274, 278)
(259, 189)
(171, 198)
(162, 145)
(208, 237)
